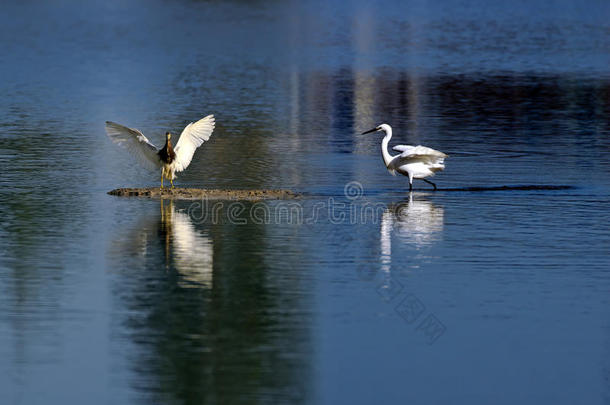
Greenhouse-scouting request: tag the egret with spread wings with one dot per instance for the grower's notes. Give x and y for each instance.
(416, 162)
(169, 159)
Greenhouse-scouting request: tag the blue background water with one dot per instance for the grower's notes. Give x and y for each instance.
(375, 295)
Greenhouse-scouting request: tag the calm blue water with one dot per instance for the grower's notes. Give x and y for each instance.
(357, 293)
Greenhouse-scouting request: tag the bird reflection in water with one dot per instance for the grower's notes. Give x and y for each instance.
(415, 223)
(189, 251)
(171, 242)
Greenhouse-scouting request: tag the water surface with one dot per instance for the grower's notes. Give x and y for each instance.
(360, 292)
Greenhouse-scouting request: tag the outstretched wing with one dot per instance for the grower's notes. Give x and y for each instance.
(136, 143)
(195, 134)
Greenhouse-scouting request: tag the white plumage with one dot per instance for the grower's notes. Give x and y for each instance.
(415, 162)
(192, 137)
(136, 143)
(170, 160)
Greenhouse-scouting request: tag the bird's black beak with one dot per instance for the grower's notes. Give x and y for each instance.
(369, 131)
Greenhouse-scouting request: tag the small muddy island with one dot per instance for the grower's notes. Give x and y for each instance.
(210, 194)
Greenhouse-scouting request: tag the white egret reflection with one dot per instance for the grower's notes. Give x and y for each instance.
(385, 240)
(415, 223)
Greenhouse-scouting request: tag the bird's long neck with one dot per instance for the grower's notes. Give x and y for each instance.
(170, 149)
(387, 158)
(167, 154)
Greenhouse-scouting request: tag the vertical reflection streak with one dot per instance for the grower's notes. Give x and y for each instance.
(414, 223)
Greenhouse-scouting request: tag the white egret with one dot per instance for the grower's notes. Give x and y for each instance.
(416, 162)
(169, 159)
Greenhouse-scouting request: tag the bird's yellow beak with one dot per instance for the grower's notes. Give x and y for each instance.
(168, 135)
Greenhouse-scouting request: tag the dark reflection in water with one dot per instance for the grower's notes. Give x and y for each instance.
(205, 318)
(521, 108)
(498, 130)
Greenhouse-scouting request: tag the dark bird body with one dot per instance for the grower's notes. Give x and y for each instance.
(167, 157)
(167, 154)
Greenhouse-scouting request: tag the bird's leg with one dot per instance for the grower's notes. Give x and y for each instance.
(429, 182)
(410, 186)
(171, 181)
(161, 180)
